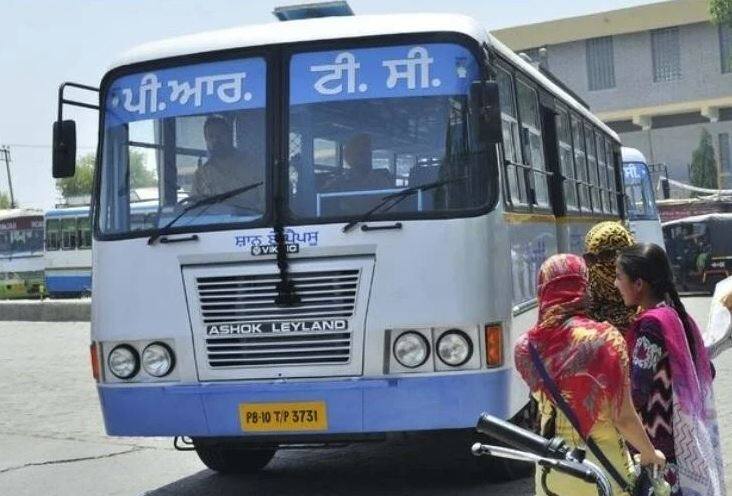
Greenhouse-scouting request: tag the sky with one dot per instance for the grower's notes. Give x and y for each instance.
(46, 42)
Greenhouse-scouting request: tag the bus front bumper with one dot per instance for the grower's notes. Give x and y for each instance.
(358, 405)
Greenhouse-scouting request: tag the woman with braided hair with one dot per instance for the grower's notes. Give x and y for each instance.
(671, 374)
(602, 247)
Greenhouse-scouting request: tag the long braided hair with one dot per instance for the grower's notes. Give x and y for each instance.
(648, 261)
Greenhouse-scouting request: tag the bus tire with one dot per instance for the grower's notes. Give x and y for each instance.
(228, 459)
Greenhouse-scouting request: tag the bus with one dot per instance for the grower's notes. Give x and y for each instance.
(68, 252)
(352, 212)
(643, 216)
(21, 253)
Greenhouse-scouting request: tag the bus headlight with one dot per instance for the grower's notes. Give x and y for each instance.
(158, 359)
(411, 349)
(454, 348)
(123, 361)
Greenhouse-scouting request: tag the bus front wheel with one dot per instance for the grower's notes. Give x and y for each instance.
(232, 459)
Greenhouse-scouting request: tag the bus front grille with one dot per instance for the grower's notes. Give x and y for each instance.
(246, 328)
(279, 350)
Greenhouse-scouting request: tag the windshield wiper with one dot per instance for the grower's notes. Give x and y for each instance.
(397, 198)
(206, 200)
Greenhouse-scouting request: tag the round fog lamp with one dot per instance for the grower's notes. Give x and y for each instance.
(411, 349)
(123, 361)
(157, 359)
(454, 348)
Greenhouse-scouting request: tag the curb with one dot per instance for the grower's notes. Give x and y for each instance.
(77, 310)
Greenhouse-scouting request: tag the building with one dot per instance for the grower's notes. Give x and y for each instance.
(657, 74)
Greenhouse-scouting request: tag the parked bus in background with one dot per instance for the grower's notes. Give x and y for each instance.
(68, 252)
(275, 298)
(645, 222)
(21, 253)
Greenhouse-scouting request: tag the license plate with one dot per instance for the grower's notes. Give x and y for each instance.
(283, 417)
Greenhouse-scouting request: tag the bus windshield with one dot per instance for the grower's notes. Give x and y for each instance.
(368, 122)
(172, 136)
(363, 123)
(639, 192)
(21, 236)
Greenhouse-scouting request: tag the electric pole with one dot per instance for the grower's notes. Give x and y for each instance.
(5, 151)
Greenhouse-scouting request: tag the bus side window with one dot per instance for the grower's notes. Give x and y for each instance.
(533, 148)
(514, 175)
(52, 235)
(592, 168)
(614, 167)
(84, 233)
(602, 169)
(564, 139)
(580, 165)
(68, 234)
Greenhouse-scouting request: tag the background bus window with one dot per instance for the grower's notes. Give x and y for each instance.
(564, 138)
(580, 165)
(532, 142)
(68, 234)
(639, 192)
(53, 234)
(84, 232)
(511, 141)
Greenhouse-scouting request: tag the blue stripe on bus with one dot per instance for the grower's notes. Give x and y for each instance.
(353, 406)
(68, 284)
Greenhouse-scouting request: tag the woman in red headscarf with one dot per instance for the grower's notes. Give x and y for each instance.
(588, 361)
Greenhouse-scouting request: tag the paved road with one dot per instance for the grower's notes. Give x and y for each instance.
(52, 441)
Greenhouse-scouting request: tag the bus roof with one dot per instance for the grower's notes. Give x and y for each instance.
(337, 28)
(632, 155)
(67, 212)
(16, 213)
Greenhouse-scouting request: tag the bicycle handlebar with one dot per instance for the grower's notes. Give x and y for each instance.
(521, 439)
(550, 453)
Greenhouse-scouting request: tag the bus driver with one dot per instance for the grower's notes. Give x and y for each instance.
(227, 167)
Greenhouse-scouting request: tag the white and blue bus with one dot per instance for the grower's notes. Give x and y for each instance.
(643, 216)
(21, 253)
(387, 189)
(68, 252)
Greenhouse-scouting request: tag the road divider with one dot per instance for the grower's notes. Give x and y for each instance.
(48, 310)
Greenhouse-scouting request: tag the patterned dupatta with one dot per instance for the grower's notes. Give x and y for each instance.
(695, 429)
(588, 360)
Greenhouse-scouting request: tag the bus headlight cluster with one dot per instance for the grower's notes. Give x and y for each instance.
(123, 361)
(454, 348)
(156, 360)
(411, 349)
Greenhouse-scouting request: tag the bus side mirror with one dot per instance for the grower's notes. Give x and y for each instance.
(665, 188)
(484, 97)
(64, 149)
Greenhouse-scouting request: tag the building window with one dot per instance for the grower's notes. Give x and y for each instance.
(725, 47)
(724, 153)
(600, 65)
(666, 54)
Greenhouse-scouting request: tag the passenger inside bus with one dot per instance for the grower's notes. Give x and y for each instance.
(361, 176)
(227, 167)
